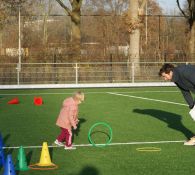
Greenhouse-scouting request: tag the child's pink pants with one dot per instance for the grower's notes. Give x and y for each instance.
(65, 135)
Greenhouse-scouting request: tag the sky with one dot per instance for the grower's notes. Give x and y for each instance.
(169, 6)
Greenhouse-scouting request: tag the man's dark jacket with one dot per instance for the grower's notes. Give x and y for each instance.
(184, 78)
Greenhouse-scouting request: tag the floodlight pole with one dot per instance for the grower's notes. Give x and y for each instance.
(19, 47)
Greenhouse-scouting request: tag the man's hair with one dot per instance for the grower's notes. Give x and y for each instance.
(166, 68)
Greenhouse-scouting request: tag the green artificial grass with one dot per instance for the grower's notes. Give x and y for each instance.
(131, 119)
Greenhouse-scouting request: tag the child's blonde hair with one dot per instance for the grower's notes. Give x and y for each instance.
(79, 96)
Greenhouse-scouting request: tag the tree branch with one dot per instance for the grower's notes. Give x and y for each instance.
(189, 2)
(179, 6)
(143, 4)
(76, 3)
(63, 6)
(80, 3)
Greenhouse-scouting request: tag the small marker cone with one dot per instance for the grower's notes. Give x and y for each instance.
(45, 159)
(21, 164)
(9, 167)
(13, 101)
(2, 157)
(38, 101)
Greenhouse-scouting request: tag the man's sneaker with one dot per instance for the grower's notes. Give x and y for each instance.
(190, 142)
(69, 147)
(58, 143)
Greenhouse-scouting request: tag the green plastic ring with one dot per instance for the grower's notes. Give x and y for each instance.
(91, 129)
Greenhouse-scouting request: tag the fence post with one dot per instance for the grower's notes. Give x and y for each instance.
(18, 68)
(132, 72)
(76, 73)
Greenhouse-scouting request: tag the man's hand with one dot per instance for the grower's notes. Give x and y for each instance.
(192, 113)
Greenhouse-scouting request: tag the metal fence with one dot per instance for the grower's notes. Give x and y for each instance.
(79, 73)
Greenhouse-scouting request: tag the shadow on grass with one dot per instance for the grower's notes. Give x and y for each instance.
(17, 172)
(6, 138)
(29, 157)
(8, 151)
(101, 132)
(88, 170)
(76, 132)
(51, 153)
(173, 120)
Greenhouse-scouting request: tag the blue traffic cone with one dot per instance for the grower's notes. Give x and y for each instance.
(2, 157)
(1, 141)
(9, 166)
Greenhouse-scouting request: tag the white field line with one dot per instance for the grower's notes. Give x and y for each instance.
(111, 144)
(48, 93)
(53, 93)
(150, 99)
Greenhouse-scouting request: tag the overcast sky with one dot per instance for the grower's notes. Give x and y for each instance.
(170, 5)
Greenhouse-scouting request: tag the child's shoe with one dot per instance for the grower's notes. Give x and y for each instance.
(190, 142)
(70, 147)
(58, 143)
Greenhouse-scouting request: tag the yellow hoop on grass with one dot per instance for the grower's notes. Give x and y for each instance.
(148, 149)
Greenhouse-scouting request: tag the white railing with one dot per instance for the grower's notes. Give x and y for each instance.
(80, 73)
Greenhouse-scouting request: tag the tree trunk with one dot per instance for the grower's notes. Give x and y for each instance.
(45, 35)
(75, 15)
(1, 39)
(192, 43)
(1, 43)
(134, 55)
(45, 18)
(191, 20)
(76, 39)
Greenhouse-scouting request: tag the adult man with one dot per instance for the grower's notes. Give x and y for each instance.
(184, 77)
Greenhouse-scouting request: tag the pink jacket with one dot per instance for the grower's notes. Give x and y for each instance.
(68, 114)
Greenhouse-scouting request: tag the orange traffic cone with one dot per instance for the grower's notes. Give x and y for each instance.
(13, 101)
(38, 101)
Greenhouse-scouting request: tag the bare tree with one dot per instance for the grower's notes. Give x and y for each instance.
(10, 8)
(134, 22)
(46, 13)
(190, 16)
(75, 14)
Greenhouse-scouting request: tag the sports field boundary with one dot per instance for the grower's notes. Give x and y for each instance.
(88, 85)
(111, 144)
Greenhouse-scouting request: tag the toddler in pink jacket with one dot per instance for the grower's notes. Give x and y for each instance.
(68, 119)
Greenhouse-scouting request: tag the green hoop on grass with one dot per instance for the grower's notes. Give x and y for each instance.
(110, 134)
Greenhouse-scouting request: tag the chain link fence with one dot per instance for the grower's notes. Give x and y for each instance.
(80, 73)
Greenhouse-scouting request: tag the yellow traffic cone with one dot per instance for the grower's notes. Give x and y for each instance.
(45, 159)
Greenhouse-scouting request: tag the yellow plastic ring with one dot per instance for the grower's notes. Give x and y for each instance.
(148, 149)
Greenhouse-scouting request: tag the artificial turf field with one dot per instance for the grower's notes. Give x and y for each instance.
(132, 120)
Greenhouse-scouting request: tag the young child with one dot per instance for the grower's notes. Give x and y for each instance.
(68, 118)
